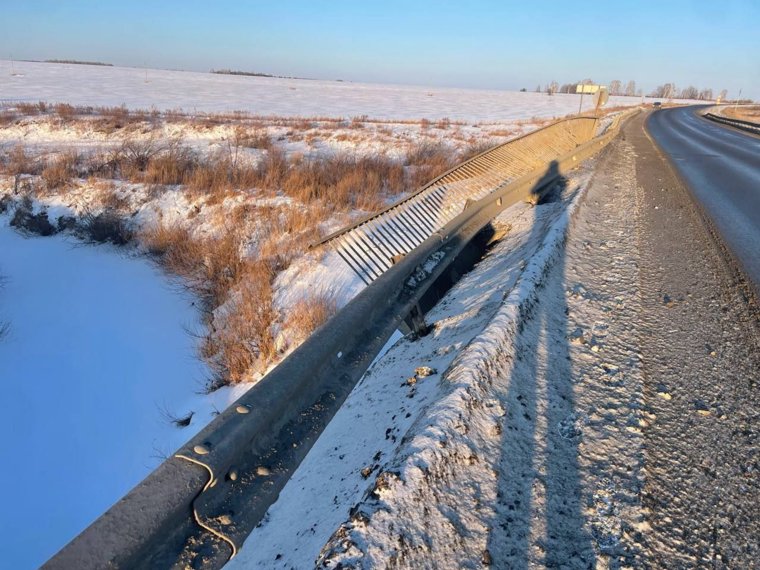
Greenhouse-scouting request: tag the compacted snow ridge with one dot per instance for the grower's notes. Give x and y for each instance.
(435, 502)
(411, 386)
(531, 453)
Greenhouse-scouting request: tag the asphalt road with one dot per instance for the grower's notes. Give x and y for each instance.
(721, 166)
(698, 339)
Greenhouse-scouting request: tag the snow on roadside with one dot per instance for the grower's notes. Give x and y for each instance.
(532, 456)
(320, 272)
(440, 487)
(392, 399)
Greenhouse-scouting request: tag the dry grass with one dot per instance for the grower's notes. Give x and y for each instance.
(108, 197)
(65, 111)
(19, 161)
(344, 182)
(310, 313)
(254, 138)
(502, 133)
(212, 266)
(243, 341)
(217, 273)
(172, 165)
(112, 119)
(32, 108)
(8, 118)
(749, 113)
(246, 342)
(429, 160)
(60, 170)
(232, 274)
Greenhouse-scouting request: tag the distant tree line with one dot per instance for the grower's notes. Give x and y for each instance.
(71, 61)
(235, 72)
(251, 74)
(616, 87)
(670, 91)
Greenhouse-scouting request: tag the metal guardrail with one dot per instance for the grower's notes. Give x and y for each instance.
(196, 509)
(371, 245)
(739, 124)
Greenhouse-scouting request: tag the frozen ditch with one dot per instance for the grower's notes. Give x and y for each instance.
(96, 359)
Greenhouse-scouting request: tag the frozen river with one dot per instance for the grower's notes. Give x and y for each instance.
(97, 353)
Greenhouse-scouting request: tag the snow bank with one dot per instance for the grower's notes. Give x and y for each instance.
(433, 504)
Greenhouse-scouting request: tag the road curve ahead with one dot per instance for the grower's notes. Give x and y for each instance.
(721, 166)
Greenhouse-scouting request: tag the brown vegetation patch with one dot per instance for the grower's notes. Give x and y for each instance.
(310, 313)
(59, 171)
(19, 161)
(749, 113)
(232, 271)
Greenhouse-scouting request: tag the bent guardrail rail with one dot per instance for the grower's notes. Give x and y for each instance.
(196, 509)
(736, 123)
(370, 245)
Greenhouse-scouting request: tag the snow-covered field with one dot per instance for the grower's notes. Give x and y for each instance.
(206, 92)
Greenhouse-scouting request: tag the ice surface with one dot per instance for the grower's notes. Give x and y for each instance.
(96, 353)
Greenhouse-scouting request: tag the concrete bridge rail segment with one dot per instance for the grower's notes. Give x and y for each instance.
(197, 508)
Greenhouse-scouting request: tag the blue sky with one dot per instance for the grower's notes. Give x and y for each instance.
(487, 44)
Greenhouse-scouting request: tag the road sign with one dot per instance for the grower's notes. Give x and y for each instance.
(601, 97)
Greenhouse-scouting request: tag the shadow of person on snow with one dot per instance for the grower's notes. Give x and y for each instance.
(539, 520)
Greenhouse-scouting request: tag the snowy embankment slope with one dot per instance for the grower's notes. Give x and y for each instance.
(531, 456)
(392, 401)
(207, 92)
(96, 356)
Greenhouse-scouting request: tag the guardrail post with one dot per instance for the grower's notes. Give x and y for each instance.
(414, 322)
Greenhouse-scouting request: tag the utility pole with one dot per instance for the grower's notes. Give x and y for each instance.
(581, 104)
(737, 100)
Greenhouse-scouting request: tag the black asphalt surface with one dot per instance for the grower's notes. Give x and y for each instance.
(721, 166)
(699, 345)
